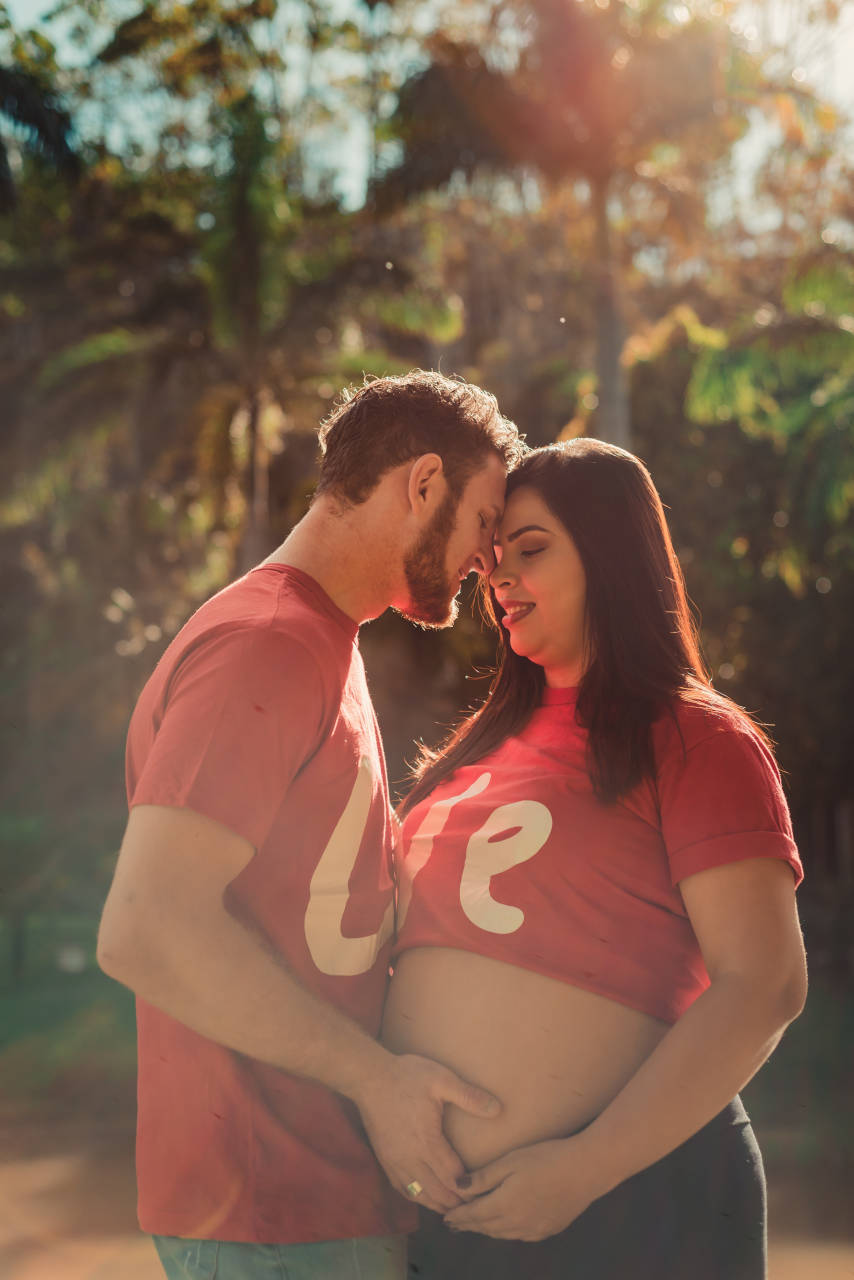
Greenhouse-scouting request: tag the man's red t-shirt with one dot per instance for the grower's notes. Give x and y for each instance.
(515, 858)
(258, 716)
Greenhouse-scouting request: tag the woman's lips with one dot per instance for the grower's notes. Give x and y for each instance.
(514, 613)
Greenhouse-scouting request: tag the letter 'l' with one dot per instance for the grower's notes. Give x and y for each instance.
(331, 951)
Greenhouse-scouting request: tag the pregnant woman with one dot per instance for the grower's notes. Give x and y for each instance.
(597, 918)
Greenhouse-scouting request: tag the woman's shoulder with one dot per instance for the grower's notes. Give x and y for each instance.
(697, 715)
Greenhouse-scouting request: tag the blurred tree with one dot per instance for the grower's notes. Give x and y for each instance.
(638, 104)
(31, 105)
(142, 377)
(32, 108)
(762, 489)
(787, 377)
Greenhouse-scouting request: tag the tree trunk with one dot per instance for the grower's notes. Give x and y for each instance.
(256, 538)
(373, 85)
(612, 415)
(248, 234)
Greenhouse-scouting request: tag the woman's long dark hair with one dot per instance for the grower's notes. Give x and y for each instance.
(645, 653)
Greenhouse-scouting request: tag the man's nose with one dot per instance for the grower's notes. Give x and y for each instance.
(484, 560)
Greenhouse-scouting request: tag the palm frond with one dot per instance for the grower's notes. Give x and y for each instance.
(33, 107)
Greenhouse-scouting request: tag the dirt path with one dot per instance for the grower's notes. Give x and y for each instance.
(67, 1213)
(70, 1216)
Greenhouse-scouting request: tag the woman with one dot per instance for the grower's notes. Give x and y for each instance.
(597, 917)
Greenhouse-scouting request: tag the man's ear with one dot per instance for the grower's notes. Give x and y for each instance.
(426, 485)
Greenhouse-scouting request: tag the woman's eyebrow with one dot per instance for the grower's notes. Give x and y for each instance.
(526, 528)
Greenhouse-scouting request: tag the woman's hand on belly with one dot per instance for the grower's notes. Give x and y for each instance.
(528, 1194)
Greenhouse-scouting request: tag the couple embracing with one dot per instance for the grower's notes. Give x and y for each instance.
(588, 915)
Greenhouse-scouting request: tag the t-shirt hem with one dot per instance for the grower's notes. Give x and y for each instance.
(293, 1235)
(739, 846)
(664, 1014)
(151, 796)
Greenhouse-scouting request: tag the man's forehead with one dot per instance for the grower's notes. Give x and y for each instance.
(488, 483)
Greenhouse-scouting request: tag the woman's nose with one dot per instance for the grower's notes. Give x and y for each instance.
(500, 575)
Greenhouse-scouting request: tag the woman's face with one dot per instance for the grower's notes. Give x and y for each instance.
(541, 589)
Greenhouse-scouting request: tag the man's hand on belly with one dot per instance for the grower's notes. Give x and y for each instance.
(402, 1110)
(528, 1194)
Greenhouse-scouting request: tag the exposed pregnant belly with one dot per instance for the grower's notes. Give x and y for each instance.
(554, 1054)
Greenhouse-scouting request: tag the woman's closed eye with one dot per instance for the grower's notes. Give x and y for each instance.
(531, 551)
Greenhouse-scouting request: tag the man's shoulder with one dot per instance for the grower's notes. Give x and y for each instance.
(268, 611)
(230, 644)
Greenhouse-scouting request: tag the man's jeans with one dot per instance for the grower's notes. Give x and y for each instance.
(373, 1258)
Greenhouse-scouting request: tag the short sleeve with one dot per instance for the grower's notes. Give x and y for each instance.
(721, 800)
(243, 714)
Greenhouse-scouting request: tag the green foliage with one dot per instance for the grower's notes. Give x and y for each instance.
(789, 376)
(822, 284)
(761, 516)
(90, 1040)
(91, 351)
(372, 363)
(56, 1026)
(413, 312)
(807, 1078)
(209, 45)
(28, 100)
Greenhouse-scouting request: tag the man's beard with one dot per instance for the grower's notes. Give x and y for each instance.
(432, 595)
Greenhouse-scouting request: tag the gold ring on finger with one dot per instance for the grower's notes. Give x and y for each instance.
(414, 1189)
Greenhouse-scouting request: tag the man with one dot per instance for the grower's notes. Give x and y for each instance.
(252, 903)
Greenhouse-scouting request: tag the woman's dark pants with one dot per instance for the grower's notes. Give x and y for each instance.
(698, 1214)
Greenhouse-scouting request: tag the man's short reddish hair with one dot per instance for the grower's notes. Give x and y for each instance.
(387, 421)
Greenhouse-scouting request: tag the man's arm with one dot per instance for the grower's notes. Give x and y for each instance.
(167, 934)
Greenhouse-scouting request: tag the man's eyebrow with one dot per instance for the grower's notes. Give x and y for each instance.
(526, 528)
